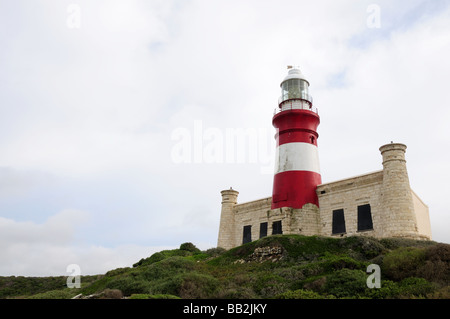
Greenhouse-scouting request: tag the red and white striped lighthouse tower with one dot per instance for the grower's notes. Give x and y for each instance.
(297, 171)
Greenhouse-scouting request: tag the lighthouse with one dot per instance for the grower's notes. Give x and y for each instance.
(379, 204)
(297, 171)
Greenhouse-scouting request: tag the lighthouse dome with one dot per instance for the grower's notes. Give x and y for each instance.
(294, 73)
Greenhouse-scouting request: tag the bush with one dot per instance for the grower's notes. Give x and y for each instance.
(187, 285)
(316, 285)
(437, 265)
(388, 289)
(415, 287)
(156, 257)
(346, 283)
(302, 294)
(292, 274)
(150, 260)
(403, 262)
(214, 252)
(56, 294)
(189, 247)
(268, 285)
(333, 262)
(112, 294)
(394, 243)
(236, 293)
(442, 293)
(96, 286)
(364, 247)
(411, 287)
(195, 285)
(129, 285)
(148, 296)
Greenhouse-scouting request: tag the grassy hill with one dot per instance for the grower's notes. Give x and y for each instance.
(281, 266)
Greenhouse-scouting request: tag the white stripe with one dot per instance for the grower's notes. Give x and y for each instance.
(297, 157)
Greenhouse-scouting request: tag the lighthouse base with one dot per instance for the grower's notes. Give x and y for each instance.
(254, 220)
(295, 189)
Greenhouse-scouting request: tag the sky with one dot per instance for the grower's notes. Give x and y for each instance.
(121, 121)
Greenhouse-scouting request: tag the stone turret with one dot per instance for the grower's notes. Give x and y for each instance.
(397, 207)
(227, 224)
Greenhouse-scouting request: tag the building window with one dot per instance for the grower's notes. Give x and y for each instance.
(338, 226)
(364, 217)
(247, 237)
(262, 230)
(276, 228)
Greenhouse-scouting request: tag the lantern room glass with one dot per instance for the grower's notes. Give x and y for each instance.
(294, 89)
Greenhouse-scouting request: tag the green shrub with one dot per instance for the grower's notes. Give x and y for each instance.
(291, 274)
(417, 287)
(394, 243)
(195, 285)
(24, 286)
(187, 285)
(363, 247)
(268, 285)
(56, 294)
(315, 284)
(117, 271)
(441, 293)
(189, 247)
(302, 294)
(215, 252)
(437, 265)
(129, 285)
(112, 294)
(411, 287)
(235, 293)
(96, 286)
(175, 263)
(150, 260)
(156, 257)
(333, 262)
(388, 290)
(346, 283)
(149, 296)
(403, 262)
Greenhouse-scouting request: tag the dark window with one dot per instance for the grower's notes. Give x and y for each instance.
(276, 228)
(338, 221)
(262, 230)
(247, 237)
(364, 217)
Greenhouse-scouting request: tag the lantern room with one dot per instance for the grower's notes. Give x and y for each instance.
(295, 91)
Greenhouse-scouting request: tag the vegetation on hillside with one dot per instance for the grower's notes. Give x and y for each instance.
(281, 266)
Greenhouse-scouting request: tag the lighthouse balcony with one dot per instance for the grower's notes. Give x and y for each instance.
(295, 104)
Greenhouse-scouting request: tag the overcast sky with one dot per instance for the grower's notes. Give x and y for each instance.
(121, 121)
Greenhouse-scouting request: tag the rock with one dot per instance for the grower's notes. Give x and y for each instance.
(261, 254)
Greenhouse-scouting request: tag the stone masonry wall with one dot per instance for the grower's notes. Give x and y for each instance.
(348, 194)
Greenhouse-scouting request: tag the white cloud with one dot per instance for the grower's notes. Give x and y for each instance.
(46, 249)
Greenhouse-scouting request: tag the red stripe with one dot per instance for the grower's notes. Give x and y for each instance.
(296, 126)
(293, 136)
(295, 189)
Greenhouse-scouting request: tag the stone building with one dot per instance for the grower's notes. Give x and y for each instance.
(378, 204)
